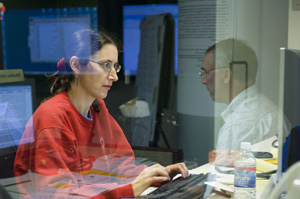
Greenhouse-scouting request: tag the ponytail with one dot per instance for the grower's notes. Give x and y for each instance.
(59, 82)
(83, 44)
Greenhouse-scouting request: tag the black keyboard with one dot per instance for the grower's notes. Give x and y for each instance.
(191, 187)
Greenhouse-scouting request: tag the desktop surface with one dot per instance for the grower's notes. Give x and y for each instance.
(198, 185)
(221, 181)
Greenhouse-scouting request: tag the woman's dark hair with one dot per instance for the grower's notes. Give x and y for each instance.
(83, 44)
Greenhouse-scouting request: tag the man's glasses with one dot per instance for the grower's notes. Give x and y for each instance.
(107, 66)
(203, 74)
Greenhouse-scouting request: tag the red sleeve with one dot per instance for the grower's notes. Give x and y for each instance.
(123, 160)
(53, 164)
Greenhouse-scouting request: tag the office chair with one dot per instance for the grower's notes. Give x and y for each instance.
(288, 185)
(291, 149)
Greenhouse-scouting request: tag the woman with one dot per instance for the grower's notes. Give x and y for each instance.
(72, 146)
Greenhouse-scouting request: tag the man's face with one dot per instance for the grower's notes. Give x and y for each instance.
(213, 79)
(209, 79)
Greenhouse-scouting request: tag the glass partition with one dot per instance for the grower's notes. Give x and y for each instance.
(232, 86)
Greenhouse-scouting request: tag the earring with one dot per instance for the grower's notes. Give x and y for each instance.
(77, 81)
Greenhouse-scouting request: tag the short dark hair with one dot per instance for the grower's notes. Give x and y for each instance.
(231, 50)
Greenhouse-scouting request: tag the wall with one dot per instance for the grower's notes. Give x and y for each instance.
(294, 27)
(273, 36)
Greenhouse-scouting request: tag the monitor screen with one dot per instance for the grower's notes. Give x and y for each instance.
(39, 39)
(16, 108)
(132, 15)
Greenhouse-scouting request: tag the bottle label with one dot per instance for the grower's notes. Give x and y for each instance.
(244, 177)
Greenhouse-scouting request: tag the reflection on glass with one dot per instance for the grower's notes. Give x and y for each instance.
(249, 116)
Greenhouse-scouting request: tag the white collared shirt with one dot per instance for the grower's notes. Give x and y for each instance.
(250, 117)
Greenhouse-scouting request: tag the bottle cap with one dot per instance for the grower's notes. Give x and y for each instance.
(246, 145)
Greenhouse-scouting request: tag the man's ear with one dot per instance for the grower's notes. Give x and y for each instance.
(227, 75)
(74, 64)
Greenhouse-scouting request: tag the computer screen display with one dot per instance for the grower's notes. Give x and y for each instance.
(16, 108)
(40, 36)
(132, 15)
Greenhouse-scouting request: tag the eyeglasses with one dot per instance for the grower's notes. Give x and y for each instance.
(203, 74)
(232, 64)
(107, 66)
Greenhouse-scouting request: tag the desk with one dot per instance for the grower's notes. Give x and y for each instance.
(260, 183)
(265, 145)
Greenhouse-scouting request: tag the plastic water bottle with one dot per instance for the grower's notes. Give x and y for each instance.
(245, 173)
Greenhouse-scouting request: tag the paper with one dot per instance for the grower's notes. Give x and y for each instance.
(135, 109)
(220, 186)
(263, 166)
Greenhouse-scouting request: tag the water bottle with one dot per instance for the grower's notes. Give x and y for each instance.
(245, 173)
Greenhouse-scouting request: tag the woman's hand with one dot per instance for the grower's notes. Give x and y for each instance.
(157, 173)
(175, 169)
(150, 175)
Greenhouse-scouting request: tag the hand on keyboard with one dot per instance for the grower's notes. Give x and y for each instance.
(181, 188)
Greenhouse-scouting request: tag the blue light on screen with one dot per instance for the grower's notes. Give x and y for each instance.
(38, 39)
(132, 15)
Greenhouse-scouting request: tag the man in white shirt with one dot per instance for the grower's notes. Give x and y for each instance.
(229, 72)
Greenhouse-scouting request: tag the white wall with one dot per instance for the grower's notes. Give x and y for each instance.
(293, 28)
(273, 35)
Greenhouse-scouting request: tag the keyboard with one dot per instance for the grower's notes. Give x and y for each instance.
(191, 187)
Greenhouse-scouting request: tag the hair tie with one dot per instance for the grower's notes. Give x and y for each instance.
(61, 65)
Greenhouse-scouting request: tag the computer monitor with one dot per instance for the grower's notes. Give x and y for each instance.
(132, 16)
(40, 36)
(17, 103)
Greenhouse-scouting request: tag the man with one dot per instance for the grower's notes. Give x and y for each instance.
(229, 73)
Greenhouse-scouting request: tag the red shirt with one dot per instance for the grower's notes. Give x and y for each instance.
(64, 153)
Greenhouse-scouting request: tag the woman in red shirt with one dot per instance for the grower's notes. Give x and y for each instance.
(72, 147)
